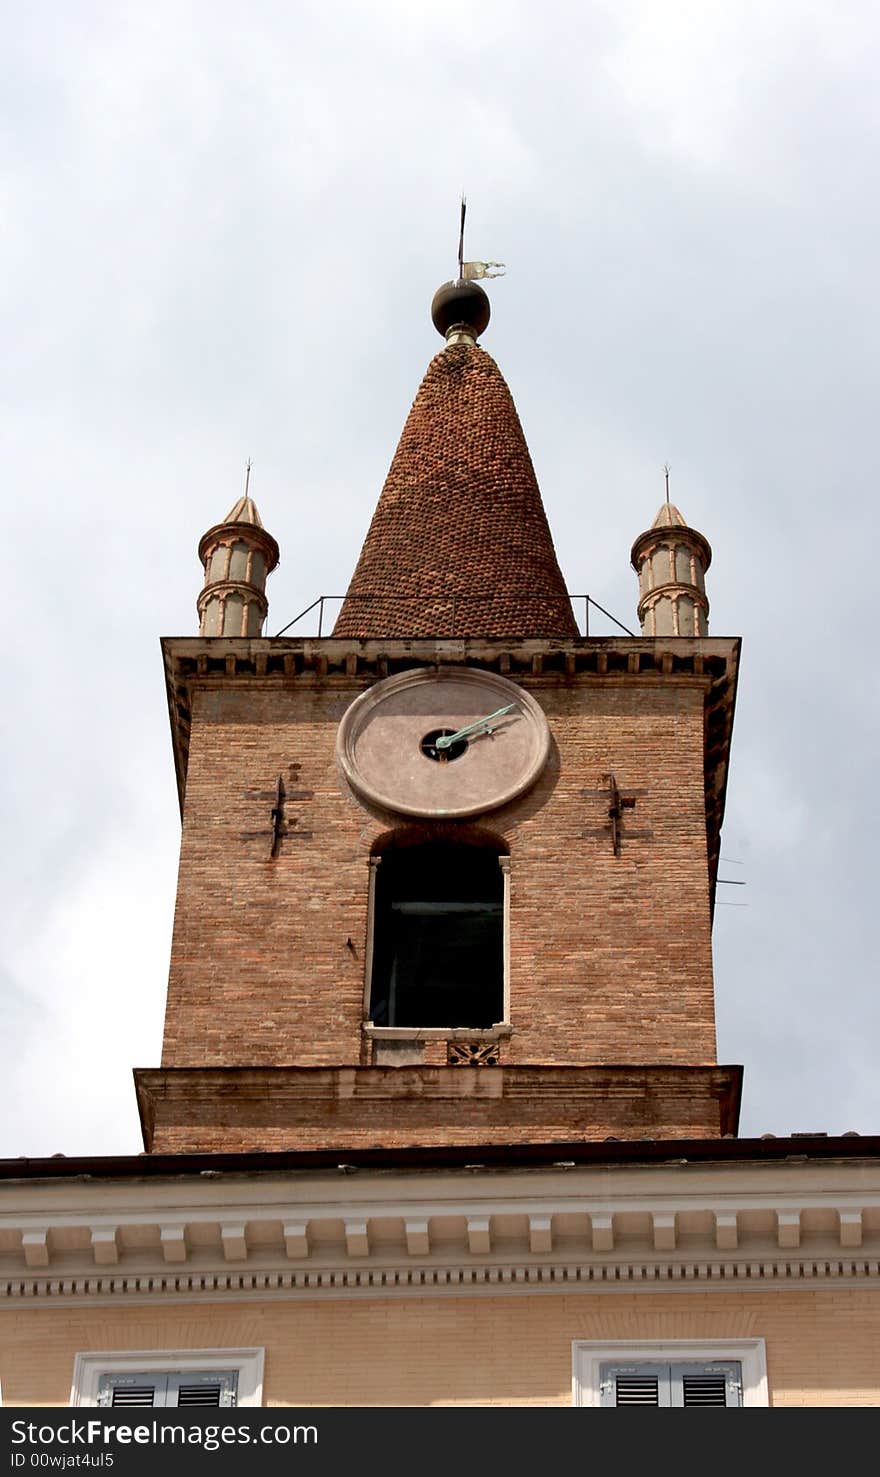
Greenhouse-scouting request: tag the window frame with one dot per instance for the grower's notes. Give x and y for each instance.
(90, 1367)
(588, 1357)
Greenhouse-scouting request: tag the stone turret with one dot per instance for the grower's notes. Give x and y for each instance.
(671, 560)
(237, 554)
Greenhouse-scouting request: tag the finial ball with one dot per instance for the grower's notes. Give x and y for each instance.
(462, 303)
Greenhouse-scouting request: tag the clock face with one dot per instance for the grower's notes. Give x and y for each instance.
(443, 742)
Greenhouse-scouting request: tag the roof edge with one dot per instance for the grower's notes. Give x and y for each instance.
(798, 1148)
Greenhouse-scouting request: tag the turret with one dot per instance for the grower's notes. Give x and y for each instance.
(671, 560)
(237, 554)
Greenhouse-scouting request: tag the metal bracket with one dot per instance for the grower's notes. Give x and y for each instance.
(277, 818)
(617, 804)
(280, 826)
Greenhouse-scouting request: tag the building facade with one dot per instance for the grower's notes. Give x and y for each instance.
(439, 1117)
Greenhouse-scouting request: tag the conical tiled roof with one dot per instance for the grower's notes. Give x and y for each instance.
(459, 543)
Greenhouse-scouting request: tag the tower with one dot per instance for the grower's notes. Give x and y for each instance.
(455, 834)
(440, 1024)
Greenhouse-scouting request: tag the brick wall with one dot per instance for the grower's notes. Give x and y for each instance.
(610, 957)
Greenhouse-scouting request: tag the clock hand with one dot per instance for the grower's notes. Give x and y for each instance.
(481, 726)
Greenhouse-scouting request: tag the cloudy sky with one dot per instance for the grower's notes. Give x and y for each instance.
(220, 229)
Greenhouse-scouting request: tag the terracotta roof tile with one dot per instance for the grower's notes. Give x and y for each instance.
(459, 542)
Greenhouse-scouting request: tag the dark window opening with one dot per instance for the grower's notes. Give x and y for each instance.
(438, 931)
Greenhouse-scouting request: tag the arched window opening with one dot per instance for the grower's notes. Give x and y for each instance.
(438, 937)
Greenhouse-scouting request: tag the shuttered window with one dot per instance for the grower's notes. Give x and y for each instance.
(714, 1383)
(216, 1387)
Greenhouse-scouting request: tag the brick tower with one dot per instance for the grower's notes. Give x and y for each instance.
(447, 875)
(439, 1120)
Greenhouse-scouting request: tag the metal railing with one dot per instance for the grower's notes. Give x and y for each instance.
(455, 602)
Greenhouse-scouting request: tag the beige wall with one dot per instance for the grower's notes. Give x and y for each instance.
(823, 1345)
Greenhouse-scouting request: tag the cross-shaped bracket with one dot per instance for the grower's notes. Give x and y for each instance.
(618, 802)
(282, 827)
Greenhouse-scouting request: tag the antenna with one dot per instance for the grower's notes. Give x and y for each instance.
(666, 473)
(461, 238)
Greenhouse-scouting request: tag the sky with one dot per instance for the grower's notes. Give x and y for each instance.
(221, 227)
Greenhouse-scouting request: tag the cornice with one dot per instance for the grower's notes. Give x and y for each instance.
(503, 1279)
(732, 1226)
(501, 1101)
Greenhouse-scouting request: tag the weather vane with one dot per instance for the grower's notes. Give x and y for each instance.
(471, 271)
